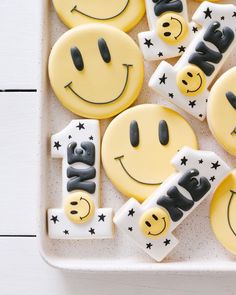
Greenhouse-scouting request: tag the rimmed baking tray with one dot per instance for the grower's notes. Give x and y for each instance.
(198, 249)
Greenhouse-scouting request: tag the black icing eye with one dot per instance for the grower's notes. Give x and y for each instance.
(165, 25)
(73, 212)
(77, 58)
(74, 203)
(185, 82)
(231, 99)
(134, 133)
(163, 132)
(167, 34)
(148, 223)
(190, 74)
(154, 217)
(104, 50)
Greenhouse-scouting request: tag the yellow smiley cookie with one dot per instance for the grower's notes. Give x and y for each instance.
(138, 146)
(96, 71)
(191, 80)
(79, 207)
(123, 14)
(221, 111)
(154, 223)
(222, 212)
(172, 28)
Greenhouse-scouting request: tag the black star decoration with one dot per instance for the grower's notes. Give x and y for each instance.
(148, 42)
(181, 49)
(149, 246)
(54, 219)
(234, 15)
(91, 137)
(200, 161)
(69, 136)
(163, 79)
(101, 217)
(171, 95)
(184, 161)
(92, 231)
(160, 54)
(57, 145)
(222, 18)
(80, 126)
(212, 178)
(192, 104)
(131, 212)
(208, 13)
(215, 165)
(167, 242)
(66, 232)
(130, 228)
(195, 30)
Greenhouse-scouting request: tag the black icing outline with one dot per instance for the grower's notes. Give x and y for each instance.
(192, 91)
(126, 171)
(101, 103)
(150, 234)
(97, 18)
(228, 208)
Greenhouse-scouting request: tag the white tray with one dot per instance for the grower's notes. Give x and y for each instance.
(198, 249)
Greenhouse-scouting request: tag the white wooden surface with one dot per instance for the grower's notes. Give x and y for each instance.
(22, 270)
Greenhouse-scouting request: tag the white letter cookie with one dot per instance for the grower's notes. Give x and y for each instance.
(151, 223)
(170, 32)
(186, 84)
(81, 218)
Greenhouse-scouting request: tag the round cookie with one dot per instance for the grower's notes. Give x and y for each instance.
(138, 146)
(123, 14)
(221, 111)
(222, 212)
(96, 71)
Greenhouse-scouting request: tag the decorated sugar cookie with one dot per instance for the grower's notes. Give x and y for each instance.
(221, 111)
(150, 224)
(170, 32)
(186, 84)
(123, 14)
(138, 145)
(80, 218)
(96, 71)
(223, 212)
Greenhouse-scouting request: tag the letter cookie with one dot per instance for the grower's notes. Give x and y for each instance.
(170, 32)
(150, 224)
(186, 84)
(221, 111)
(81, 218)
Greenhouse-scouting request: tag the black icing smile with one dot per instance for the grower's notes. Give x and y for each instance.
(126, 171)
(181, 27)
(74, 9)
(151, 234)
(192, 91)
(228, 212)
(89, 207)
(127, 66)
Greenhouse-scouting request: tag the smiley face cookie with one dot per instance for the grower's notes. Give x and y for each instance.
(96, 71)
(222, 212)
(138, 145)
(123, 14)
(186, 84)
(169, 29)
(221, 111)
